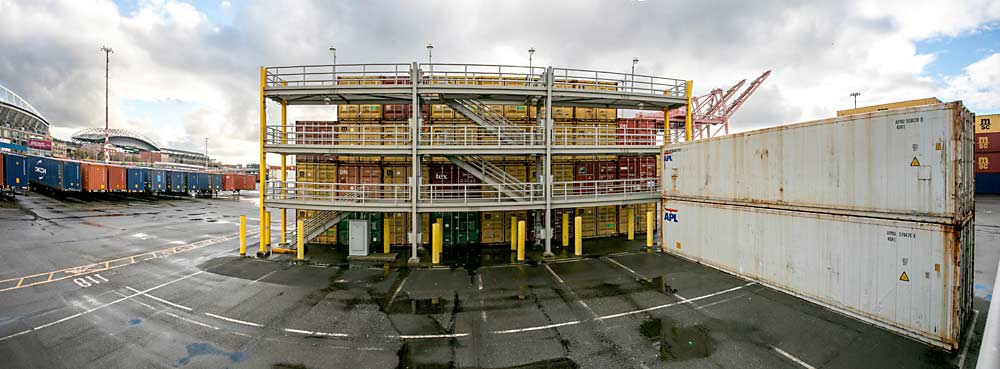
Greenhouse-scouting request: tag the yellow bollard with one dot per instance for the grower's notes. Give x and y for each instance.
(565, 230)
(243, 235)
(385, 234)
(300, 245)
(436, 243)
(631, 224)
(513, 233)
(268, 216)
(578, 236)
(265, 229)
(649, 229)
(284, 226)
(521, 233)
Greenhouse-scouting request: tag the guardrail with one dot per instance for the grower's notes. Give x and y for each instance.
(603, 136)
(468, 135)
(339, 134)
(355, 193)
(486, 75)
(576, 190)
(615, 81)
(482, 75)
(340, 75)
(479, 193)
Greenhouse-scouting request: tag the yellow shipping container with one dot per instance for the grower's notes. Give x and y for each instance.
(607, 114)
(443, 112)
(640, 214)
(607, 221)
(589, 220)
(493, 231)
(888, 106)
(989, 123)
(515, 112)
(521, 215)
(562, 113)
(584, 113)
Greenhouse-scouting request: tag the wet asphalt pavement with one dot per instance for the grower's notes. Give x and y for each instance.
(195, 304)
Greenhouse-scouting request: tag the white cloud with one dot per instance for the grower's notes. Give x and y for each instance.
(819, 51)
(979, 85)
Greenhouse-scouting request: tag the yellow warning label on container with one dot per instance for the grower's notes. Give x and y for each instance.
(678, 245)
(903, 277)
(914, 162)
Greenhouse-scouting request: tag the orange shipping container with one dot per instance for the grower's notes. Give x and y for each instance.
(987, 142)
(94, 177)
(117, 178)
(988, 162)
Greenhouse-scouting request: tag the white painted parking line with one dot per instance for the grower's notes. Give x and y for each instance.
(237, 321)
(179, 306)
(88, 311)
(261, 277)
(627, 269)
(537, 328)
(395, 293)
(968, 334)
(426, 336)
(793, 358)
(316, 333)
(683, 301)
(554, 274)
(192, 321)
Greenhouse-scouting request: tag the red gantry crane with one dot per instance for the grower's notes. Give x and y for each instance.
(710, 113)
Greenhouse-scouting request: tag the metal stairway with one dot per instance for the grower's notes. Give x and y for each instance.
(493, 121)
(319, 223)
(491, 174)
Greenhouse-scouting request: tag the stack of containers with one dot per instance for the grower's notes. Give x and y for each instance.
(870, 214)
(988, 154)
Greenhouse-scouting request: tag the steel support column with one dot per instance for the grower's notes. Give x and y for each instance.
(284, 170)
(547, 183)
(263, 164)
(415, 163)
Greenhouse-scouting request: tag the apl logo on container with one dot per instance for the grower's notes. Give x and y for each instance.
(670, 215)
(668, 156)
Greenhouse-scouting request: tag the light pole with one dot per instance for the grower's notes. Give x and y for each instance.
(531, 54)
(107, 71)
(333, 50)
(429, 48)
(635, 61)
(855, 94)
(206, 153)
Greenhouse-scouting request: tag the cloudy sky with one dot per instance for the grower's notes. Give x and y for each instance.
(183, 71)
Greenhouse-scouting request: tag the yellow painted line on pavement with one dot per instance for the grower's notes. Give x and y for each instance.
(58, 275)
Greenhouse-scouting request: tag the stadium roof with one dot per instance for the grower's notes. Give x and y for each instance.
(118, 137)
(17, 113)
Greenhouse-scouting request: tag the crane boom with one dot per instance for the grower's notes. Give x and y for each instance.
(715, 108)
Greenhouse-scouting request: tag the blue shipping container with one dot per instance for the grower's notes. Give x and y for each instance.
(157, 180)
(216, 182)
(46, 172)
(193, 185)
(134, 181)
(204, 182)
(988, 183)
(71, 176)
(176, 181)
(15, 169)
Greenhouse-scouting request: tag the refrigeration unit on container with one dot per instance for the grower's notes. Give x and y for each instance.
(15, 170)
(157, 180)
(94, 177)
(117, 178)
(135, 180)
(914, 163)
(913, 278)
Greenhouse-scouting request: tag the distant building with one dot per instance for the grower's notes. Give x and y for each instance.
(22, 127)
(135, 147)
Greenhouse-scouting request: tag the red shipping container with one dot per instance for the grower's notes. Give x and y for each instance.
(987, 142)
(633, 167)
(988, 162)
(636, 131)
(117, 178)
(452, 174)
(229, 182)
(94, 177)
(313, 133)
(350, 176)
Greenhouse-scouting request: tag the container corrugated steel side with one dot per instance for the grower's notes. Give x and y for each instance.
(134, 180)
(913, 163)
(15, 170)
(117, 178)
(855, 265)
(176, 181)
(157, 180)
(988, 123)
(94, 177)
(45, 172)
(71, 176)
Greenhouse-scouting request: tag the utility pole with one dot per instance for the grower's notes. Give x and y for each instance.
(334, 51)
(429, 48)
(206, 153)
(531, 54)
(107, 71)
(635, 61)
(855, 94)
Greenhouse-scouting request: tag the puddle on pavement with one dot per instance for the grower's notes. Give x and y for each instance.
(676, 342)
(413, 355)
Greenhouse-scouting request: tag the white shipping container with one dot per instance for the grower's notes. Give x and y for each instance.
(914, 163)
(913, 278)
